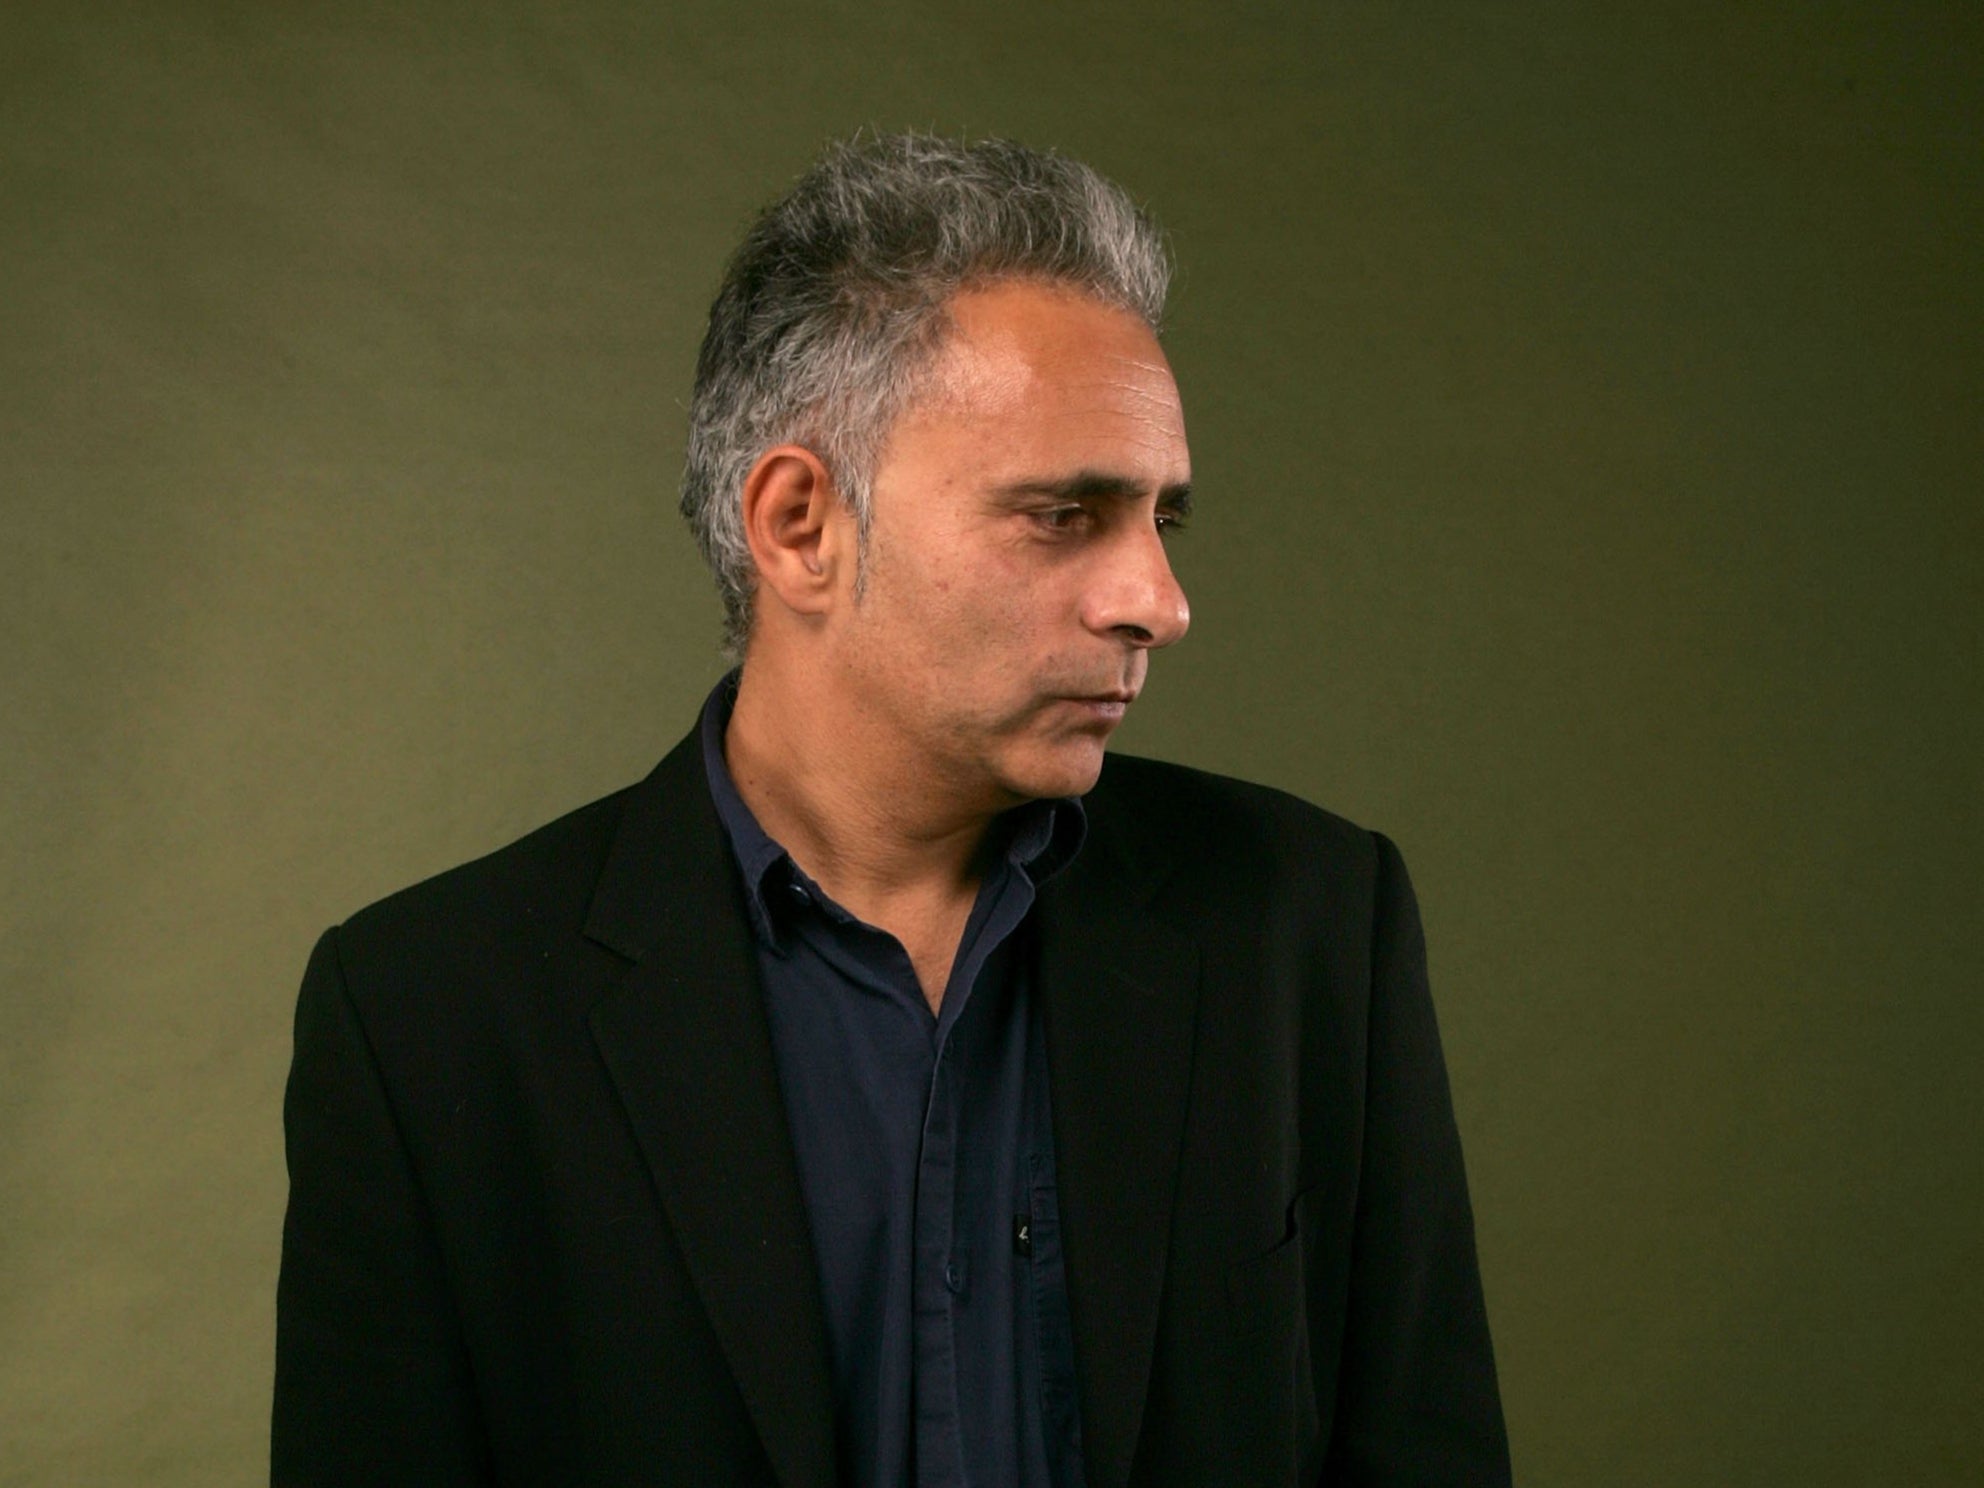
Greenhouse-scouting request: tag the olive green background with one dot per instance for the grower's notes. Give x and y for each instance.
(1586, 406)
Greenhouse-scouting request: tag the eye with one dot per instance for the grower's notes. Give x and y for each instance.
(1170, 523)
(1061, 518)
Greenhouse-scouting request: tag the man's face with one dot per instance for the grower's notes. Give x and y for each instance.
(1016, 578)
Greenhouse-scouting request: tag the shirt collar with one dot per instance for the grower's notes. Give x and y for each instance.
(1041, 837)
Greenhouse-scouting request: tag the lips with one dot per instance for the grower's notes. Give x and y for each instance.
(1103, 708)
(1110, 696)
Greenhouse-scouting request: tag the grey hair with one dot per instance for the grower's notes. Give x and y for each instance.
(833, 309)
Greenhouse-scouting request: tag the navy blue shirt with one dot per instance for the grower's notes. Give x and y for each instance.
(926, 1160)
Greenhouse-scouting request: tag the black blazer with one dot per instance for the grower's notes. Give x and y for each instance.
(545, 1227)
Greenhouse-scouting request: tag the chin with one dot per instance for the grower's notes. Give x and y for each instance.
(1068, 770)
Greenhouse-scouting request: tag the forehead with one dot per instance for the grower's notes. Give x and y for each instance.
(1037, 371)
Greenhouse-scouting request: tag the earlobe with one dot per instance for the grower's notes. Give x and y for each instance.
(792, 513)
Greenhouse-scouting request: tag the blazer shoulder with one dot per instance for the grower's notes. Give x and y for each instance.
(1176, 809)
(542, 880)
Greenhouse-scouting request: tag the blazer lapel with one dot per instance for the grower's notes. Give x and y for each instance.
(687, 1043)
(1119, 992)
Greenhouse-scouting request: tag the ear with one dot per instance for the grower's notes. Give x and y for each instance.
(801, 533)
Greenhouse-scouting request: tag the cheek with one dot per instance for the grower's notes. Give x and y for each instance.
(988, 601)
(1003, 616)
(982, 609)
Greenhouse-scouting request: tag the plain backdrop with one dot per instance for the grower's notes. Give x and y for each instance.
(1585, 403)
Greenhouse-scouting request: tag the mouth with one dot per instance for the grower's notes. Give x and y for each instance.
(1101, 707)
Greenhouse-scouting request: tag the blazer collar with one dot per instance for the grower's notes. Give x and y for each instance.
(685, 1039)
(1119, 988)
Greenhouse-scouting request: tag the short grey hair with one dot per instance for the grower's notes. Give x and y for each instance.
(834, 308)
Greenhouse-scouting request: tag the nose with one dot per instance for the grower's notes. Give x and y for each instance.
(1135, 596)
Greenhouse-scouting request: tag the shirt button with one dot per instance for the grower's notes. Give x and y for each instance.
(798, 893)
(954, 1277)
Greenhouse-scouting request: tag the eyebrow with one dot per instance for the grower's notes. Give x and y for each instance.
(1092, 485)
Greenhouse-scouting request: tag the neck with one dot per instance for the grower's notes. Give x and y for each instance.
(824, 783)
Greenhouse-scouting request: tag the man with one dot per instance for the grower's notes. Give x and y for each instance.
(886, 1090)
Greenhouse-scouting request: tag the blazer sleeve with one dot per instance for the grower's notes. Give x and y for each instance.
(1417, 1400)
(372, 1382)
